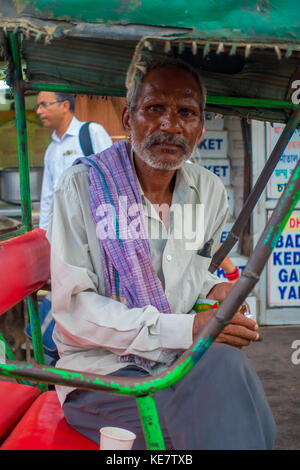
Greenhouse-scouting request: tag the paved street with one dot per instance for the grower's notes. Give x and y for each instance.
(272, 361)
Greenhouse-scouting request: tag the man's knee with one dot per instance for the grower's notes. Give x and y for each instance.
(219, 363)
(220, 354)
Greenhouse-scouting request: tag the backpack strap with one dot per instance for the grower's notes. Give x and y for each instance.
(85, 140)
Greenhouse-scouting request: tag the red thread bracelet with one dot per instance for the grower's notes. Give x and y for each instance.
(233, 276)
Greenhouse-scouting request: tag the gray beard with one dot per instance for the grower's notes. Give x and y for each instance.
(145, 153)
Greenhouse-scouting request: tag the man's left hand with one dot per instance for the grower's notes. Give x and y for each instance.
(233, 334)
(220, 291)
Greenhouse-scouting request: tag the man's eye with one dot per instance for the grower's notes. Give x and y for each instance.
(185, 112)
(155, 108)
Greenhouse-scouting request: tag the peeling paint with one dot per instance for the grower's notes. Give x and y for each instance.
(21, 5)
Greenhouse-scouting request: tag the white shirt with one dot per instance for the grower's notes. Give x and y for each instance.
(91, 329)
(60, 155)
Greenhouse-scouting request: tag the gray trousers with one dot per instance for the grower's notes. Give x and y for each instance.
(219, 404)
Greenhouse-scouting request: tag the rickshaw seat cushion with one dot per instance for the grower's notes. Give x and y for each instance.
(44, 427)
(25, 267)
(15, 399)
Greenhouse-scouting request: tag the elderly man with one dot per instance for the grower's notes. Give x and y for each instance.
(127, 268)
(56, 111)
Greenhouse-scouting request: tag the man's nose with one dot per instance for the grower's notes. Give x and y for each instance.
(170, 122)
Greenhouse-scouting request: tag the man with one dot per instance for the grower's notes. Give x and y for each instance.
(126, 274)
(56, 111)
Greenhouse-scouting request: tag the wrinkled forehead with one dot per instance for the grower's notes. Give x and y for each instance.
(170, 81)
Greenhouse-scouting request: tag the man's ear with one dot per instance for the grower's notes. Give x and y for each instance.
(66, 106)
(200, 138)
(126, 121)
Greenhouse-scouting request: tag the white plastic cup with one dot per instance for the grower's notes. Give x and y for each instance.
(116, 439)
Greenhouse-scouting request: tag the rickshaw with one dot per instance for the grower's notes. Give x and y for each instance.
(248, 54)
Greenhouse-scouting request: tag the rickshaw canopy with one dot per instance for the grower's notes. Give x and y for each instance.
(243, 49)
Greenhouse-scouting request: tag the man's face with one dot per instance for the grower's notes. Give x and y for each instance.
(166, 124)
(51, 115)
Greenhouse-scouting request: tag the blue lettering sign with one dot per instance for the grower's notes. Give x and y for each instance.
(283, 275)
(289, 242)
(282, 291)
(280, 242)
(287, 256)
(292, 293)
(219, 141)
(277, 257)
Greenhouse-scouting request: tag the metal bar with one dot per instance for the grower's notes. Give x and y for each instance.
(8, 352)
(10, 356)
(36, 333)
(21, 134)
(250, 102)
(35, 325)
(100, 383)
(259, 257)
(150, 423)
(256, 192)
(215, 100)
(18, 232)
(74, 89)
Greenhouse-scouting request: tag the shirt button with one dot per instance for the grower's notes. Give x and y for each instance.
(169, 257)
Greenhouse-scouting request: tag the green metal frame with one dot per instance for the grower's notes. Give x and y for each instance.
(26, 214)
(227, 101)
(143, 389)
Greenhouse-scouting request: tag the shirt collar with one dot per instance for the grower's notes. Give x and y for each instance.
(73, 129)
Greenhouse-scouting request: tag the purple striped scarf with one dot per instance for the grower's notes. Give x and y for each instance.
(129, 273)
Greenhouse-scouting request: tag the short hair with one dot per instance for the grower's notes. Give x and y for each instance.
(147, 65)
(67, 97)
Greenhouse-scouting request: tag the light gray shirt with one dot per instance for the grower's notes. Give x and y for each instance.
(91, 329)
(61, 154)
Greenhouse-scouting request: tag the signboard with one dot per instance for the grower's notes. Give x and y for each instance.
(214, 144)
(287, 162)
(284, 266)
(220, 167)
(225, 232)
(214, 122)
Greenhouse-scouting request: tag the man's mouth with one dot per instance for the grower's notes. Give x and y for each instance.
(168, 146)
(170, 143)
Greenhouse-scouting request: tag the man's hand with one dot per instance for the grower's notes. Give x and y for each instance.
(239, 332)
(219, 291)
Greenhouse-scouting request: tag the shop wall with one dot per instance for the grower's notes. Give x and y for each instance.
(279, 284)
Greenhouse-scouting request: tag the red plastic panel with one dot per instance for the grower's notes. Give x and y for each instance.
(15, 399)
(43, 427)
(24, 267)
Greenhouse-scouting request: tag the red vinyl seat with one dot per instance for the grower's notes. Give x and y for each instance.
(15, 399)
(44, 427)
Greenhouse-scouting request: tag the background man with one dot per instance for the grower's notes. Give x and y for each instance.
(56, 111)
(122, 303)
